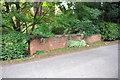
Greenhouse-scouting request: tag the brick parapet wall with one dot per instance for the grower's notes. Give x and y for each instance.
(93, 39)
(57, 42)
(46, 45)
(75, 38)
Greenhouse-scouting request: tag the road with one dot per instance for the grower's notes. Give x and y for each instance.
(95, 63)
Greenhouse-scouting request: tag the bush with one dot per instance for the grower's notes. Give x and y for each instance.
(71, 25)
(88, 28)
(109, 31)
(89, 19)
(64, 24)
(84, 12)
(14, 45)
(43, 31)
(79, 43)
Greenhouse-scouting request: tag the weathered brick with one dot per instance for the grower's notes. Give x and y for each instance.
(93, 39)
(57, 42)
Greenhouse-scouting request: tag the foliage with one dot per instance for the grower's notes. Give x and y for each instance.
(19, 21)
(40, 52)
(94, 5)
(111, 11)
(39, 18)
(14, 45)
(43, 31)
(110, 31)
(86, 13)
(88, 28)
(89, 19)
(78, 43)
(64, 25)
(24, 16)
(65, 8)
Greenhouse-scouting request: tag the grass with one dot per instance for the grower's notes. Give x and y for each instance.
(93, 45)
(57, 52)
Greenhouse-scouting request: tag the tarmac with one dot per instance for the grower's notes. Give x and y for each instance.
(94, 63)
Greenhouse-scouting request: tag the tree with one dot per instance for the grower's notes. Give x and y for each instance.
(12, 20)
(111, 12)
(37, 12)
(66, 7)
(18, 16)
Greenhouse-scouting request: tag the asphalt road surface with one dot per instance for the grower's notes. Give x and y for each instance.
(95, 63)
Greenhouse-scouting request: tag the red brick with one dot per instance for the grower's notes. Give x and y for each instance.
(93, 39)
(57, 42)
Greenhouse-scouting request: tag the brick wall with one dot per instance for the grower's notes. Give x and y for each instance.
(75, 38)
(93, 39)
(57, 42)
(50, 44)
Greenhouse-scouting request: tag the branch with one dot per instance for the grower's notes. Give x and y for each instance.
(39, 19)
(35, 17)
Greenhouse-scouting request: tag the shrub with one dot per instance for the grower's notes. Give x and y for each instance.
(79, 43)
(88, 28)
(43, 31)
(109, 31)
(64, 24)
(84, 12)
(14, 45)
(89, 19)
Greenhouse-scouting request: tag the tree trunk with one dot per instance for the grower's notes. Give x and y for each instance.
(37, 12)
(38, 9)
